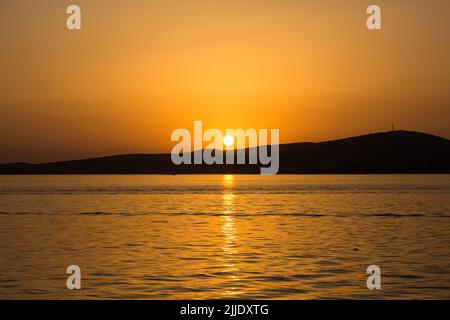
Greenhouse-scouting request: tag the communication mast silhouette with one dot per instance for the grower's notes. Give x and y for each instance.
(392, 127)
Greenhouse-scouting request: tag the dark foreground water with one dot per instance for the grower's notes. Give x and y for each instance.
(201, 237)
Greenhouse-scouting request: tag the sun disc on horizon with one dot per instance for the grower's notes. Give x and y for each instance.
(228, 141)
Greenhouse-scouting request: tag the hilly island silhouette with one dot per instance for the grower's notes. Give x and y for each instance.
(385, 152)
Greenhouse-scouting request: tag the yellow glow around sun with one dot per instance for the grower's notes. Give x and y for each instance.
(228, 141)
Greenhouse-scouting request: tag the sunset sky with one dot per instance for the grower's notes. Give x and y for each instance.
(139, 69)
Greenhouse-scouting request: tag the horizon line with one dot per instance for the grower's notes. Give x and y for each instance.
(247, 148)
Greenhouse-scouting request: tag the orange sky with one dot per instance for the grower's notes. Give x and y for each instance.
(139, 69)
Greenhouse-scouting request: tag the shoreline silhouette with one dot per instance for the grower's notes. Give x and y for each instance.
(391, 152)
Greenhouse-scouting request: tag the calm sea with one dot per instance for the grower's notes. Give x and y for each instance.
(214, 236)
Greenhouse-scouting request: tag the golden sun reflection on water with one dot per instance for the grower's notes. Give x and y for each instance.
(224, 236)
(230, 246)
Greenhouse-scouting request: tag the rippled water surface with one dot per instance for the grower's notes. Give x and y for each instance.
(213, 236)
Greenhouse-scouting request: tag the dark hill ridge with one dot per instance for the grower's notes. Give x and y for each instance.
(387, 152)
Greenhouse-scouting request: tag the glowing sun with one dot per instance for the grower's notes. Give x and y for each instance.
(228, 141)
